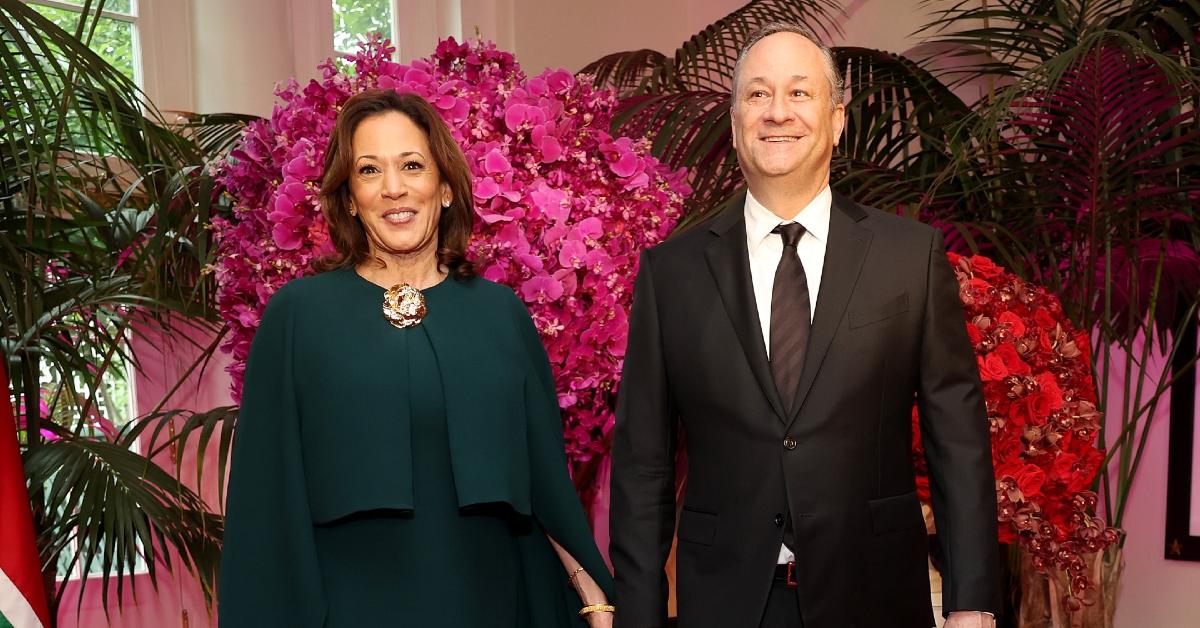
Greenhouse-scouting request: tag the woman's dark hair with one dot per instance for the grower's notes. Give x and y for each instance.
(347, 233)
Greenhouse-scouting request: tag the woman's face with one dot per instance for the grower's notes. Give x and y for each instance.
(395, 187)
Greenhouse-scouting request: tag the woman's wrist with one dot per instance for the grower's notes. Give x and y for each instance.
(596, 608)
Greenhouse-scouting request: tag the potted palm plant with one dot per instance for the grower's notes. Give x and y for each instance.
(104, 205)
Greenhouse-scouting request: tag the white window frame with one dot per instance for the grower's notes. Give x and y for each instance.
(131, 18)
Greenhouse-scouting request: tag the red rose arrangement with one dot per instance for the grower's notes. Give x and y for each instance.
(1041, 407)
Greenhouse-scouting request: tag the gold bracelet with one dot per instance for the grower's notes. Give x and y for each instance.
(597, 608)
(571, 578)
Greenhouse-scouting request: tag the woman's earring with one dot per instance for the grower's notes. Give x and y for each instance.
(445, 204)
(353, 212)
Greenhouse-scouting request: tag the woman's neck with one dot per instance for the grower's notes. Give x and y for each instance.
(386, 269)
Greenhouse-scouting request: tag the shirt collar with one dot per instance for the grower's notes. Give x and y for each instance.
(815, 218)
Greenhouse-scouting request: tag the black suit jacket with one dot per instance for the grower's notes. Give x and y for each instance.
(888, 326)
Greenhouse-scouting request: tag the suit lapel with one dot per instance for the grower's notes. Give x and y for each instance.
(845, 251)
(730, 266)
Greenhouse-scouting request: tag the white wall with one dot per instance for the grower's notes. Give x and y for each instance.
(241, 49)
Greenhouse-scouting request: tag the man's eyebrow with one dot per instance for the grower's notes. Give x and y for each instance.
(763, 79)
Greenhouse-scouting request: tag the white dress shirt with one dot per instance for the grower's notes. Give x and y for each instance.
(765, 249)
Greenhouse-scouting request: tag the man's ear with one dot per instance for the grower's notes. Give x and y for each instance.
(839, 122)
(733, 119)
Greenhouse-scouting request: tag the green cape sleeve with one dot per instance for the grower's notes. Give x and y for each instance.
(556, 506)
(269, 571)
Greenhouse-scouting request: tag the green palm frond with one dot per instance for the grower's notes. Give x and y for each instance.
(121, 510)
(897, 118)
(174, 430)
(705, 61)
(625, 72)
(105, 207)
(1021, 34)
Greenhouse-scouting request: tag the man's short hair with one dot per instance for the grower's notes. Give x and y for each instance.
(836, 86)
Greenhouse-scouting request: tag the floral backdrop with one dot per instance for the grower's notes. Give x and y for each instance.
(563, 207)
(1041, 405)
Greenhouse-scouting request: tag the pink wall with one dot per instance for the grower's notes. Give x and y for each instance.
(1155, 592)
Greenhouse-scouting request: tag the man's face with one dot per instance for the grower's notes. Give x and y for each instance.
(785, 124)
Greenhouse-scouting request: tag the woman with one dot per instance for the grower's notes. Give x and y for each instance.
(402, 467)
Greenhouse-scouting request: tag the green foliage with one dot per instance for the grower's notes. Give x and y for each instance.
(353, 20)
(104, 208)
(112, 39)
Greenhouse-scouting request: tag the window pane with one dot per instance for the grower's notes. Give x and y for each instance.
(113, 39)
(353, 20)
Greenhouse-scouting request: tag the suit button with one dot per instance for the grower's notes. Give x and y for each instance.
(778, 520)
(789, 443)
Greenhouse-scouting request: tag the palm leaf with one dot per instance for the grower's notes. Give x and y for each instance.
(174, 430)
(624, 72)
(897, 119)
(1021, 34)
(119, 508)
(1094, 143)
(705, 61)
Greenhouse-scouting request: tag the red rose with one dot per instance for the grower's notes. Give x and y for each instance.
(991, 368)
(1045, 345)
(923, 492)
(1005, 449)
(1014, 322)
(1012, 360)
(979, 286)
(974, 334)
(1084, 470)
(1042, 317)
(1065, 467)
(1039, 407)
(985, 267)
(1030, 479)
(1049, 385)
(1021, 414)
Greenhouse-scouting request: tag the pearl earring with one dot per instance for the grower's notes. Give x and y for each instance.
(445, 204)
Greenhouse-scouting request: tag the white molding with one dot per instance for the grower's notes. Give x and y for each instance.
(78, 8)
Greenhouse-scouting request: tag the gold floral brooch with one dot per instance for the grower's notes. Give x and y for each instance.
(403, 306)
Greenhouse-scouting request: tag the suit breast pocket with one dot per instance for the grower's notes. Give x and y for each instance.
(873, 313)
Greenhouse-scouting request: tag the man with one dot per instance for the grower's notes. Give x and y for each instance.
(787, 338)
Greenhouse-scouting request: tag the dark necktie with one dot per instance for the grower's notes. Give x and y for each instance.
(789, 316)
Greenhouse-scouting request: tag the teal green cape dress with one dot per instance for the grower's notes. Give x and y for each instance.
(400, 477)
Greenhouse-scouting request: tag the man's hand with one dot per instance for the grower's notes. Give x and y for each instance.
(970, 619)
